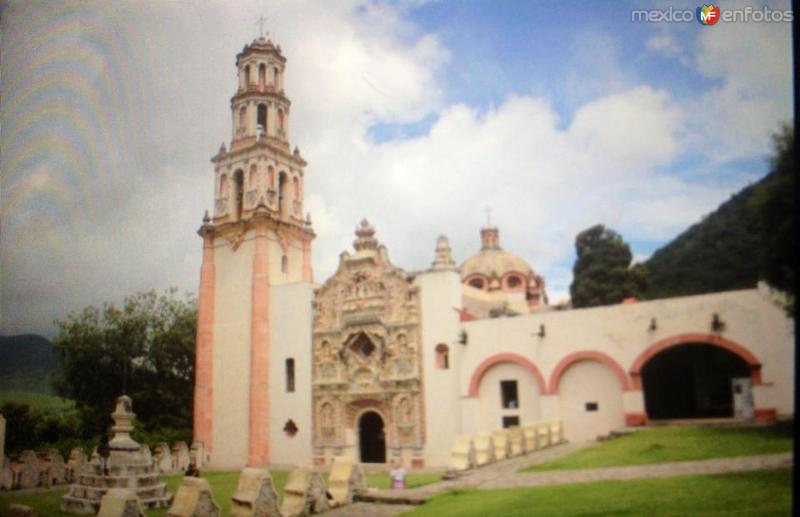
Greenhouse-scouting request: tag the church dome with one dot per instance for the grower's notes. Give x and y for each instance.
(494, 263)
(493, 267)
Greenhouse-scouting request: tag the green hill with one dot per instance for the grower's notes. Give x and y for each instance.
(719, 253)
(27, 363)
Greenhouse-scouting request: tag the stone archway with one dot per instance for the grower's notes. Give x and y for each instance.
(371, 438)
(691, 381)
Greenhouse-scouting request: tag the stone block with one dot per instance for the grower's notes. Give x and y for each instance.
(162, 458)
(303, 494)
(556, 432)
(26, 470)
(516, 441)
(529, 432)
(6, 475)
(462, 454)
(53, 468)
(180, 456)
(198, 454)
(194, 499)
(484, 449)
(145, 454)
(76, 463)
(542, 436)
(20, 510)
(501, 445)
(255, 495)
(345, 481)
(120, 502)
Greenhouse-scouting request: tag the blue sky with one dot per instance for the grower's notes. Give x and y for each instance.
(417, 115)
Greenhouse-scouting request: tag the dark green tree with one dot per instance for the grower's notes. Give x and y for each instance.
(602, 273)
(145, 349)
(774, 210)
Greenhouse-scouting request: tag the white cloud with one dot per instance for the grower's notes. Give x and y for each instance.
(663, 43)
(112, 204)
(752, 61)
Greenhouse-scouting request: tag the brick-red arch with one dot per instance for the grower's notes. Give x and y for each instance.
(590, 355)
(482, 368)
(684, 339)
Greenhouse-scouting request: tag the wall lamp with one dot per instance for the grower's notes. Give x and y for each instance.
(717, 325)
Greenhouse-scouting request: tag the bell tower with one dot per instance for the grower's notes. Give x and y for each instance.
(256, 241)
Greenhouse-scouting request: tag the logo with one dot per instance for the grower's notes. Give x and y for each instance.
(708, 14)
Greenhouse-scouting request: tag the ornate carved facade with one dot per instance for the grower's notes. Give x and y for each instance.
(367, 355)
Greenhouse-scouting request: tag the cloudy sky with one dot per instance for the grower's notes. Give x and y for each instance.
(417, 115)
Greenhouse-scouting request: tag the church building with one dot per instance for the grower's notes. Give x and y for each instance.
(390, 366)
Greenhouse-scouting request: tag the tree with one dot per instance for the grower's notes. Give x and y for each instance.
(773, 206)
(145, 348)
(602, 274)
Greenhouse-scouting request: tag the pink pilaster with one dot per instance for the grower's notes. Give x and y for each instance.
(204, 359)
(258, 455)
(308, 273)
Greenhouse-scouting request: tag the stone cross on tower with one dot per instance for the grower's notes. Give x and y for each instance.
(260, 22)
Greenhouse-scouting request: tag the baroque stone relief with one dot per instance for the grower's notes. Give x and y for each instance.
(366, 347)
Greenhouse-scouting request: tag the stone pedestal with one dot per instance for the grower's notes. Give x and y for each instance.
(128, 468)
(303, 494)
(194, 499)
(345, 481)
(255, 495)
(120, 502)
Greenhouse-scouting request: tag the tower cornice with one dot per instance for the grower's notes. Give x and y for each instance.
(256, 221)
(254, 92)
(276, 145)
(261, 46)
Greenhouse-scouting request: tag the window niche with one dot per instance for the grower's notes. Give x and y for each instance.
(442, 356)
(510, 421)
(509, 395)
(290, 375)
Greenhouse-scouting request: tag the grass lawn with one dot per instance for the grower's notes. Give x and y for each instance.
(223, 485)
(666, 444)
(750, 493)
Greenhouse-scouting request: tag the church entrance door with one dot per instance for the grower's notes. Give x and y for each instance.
(372, 438)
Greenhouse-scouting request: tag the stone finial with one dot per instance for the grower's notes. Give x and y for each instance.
(444, 259)
(123, 425)
(206, 218)
(308, 218)
(365, 234)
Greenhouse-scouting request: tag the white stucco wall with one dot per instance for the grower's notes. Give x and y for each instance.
(752, 320)
(231, 353)
(489, 416)
(440, 298)
(290, 335)
(589, 381)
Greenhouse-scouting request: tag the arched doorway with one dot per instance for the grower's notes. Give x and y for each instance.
(371, 438)
(691, 381)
